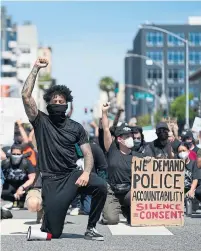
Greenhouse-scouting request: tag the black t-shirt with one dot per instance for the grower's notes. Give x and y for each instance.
(119, 165)
(56, 144)
(17, 173)
(100, 163)
(159, 151)
(193, 170)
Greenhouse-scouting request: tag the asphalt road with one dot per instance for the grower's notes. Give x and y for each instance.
(187, 238)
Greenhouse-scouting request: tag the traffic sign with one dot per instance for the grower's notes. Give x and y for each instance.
(142, 95)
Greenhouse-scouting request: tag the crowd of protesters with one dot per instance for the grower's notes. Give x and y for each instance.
(112, 148)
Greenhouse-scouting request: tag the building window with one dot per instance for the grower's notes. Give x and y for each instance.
(176, 75)
(6, 62)
(173, 41)
(154, 39)
(25, 50)
(175, 57)
(195, 57)
(8, 74)
(156, 56)
(173, 92)
(195, 38)
(154, 74)
(25, 65)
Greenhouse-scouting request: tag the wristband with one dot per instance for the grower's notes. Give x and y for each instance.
(23, 188)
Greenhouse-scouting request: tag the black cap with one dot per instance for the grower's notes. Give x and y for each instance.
(186, 135)
(162, 125)
(136, 129)
(123, 129)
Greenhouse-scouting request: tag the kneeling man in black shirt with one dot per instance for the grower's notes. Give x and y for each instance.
(56, 136)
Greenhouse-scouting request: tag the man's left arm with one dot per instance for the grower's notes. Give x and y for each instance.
(88, 157)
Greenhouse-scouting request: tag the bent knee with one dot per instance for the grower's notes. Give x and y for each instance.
(56, 234)
(103, 188)
(34, 204)
(110, 219)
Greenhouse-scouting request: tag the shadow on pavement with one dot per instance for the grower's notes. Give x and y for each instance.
(31, 223)
(72, 236)
(196, 216)
(34, 223)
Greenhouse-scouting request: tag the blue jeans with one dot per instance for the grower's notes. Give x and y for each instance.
(83, 202)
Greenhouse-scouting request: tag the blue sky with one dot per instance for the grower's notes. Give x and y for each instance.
(90, 39)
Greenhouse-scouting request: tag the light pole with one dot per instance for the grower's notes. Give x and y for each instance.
(149, 61)
(187, 66)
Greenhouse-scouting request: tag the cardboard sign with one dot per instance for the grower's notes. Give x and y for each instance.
(157, 192)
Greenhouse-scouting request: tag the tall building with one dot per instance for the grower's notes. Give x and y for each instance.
(27, 53)
(163, 50)
(45, 76)
(9, 83)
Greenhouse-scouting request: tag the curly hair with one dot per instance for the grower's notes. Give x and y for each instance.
(58, 90)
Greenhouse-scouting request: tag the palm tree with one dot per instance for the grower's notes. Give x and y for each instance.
(106, 84)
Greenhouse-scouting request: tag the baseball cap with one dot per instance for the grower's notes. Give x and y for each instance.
(162, 125)
(186, 134)
(123, 129)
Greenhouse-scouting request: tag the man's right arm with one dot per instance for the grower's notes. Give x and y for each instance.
(29, 102)
(105, 124)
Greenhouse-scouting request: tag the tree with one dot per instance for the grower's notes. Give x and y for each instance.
(144, 120)
(178, 108)
(106, 84)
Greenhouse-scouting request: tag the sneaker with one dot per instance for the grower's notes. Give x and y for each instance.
(75, 211)
(39, 216)
(6, 214)
(8, 206)
(93, 235)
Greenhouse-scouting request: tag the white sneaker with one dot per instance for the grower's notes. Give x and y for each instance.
(8, 205)
(75, 211)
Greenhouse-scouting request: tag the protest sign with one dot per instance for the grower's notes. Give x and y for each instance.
(157, 192)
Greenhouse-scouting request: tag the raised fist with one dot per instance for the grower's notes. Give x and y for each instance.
(106, 107)
(19, 122)
(41, 62)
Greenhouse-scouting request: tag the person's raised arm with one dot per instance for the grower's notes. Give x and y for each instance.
(29, 102)
(106, 129)
(116, 119)
(22, 131)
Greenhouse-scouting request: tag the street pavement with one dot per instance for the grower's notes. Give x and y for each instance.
(117, 238)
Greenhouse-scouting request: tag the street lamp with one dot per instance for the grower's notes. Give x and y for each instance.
(187, 66)
(149, 61)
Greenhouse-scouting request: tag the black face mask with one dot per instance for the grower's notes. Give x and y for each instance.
(190, 144)
(162, 135)
(57, 112)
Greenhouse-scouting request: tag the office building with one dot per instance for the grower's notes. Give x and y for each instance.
(162, 51)
(9, 83)
(45, 79)
(27, 43)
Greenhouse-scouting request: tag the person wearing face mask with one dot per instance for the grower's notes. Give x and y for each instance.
(160, 148)
(19, 176)
(139, 143)
(189, 139)
(56, 136)
(192, 175)
(119, 157)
